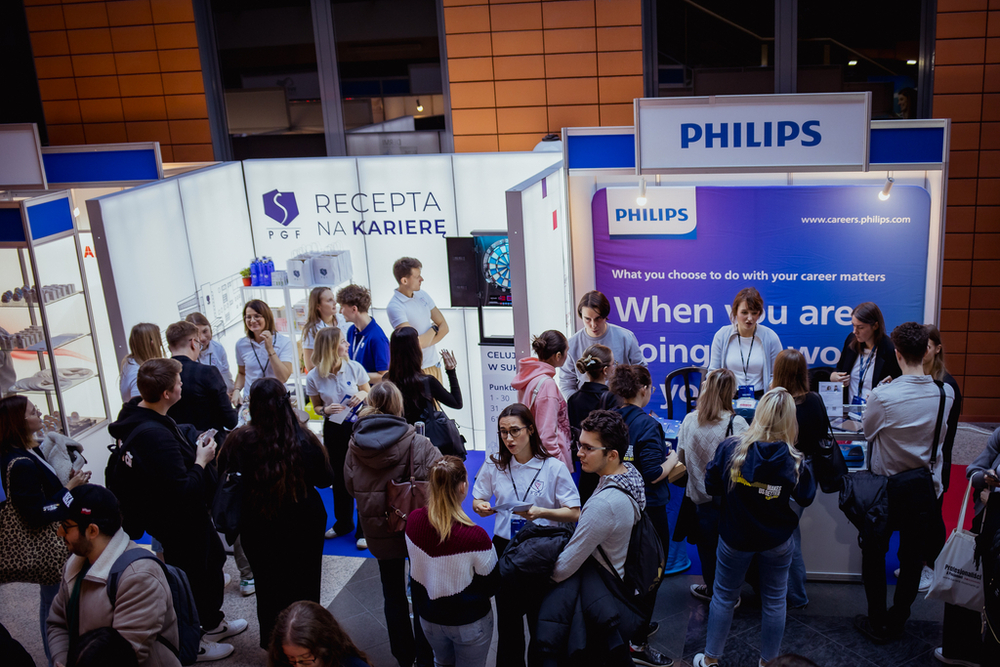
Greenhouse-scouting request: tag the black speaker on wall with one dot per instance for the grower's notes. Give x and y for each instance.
(463, 269)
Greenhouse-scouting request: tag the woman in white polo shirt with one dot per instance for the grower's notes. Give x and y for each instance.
(264, 353)
(522, 473)
(335, 384)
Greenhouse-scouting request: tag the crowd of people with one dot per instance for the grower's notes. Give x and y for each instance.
(579, 481)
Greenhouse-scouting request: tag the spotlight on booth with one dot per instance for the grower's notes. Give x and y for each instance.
(420, 107)
(885, 190)
(641, 199)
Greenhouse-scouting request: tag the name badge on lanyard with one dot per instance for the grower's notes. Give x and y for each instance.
(516, 524)
(745, 391)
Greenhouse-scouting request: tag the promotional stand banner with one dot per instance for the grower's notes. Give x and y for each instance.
(672, 267)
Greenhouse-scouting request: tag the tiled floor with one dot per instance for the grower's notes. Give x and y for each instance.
(823, 631)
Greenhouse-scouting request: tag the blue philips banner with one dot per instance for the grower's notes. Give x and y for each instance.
(672, 266)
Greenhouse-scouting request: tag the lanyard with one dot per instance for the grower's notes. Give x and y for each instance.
(356, 346)
(864, 368)
(746, 362)
(263, 369)
(511, 473)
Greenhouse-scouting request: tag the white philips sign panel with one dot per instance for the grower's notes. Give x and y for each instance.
(666, 213)
(827, 131)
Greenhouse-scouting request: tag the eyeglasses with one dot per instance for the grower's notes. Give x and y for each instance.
(248, 318)
(589, 449)
(512, 432)
(67, 526)
(305, 661)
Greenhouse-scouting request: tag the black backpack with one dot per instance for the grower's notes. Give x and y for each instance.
(121, 479)
(188, 623)
(645, 561)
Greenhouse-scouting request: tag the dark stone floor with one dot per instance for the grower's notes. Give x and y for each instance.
(823, 631)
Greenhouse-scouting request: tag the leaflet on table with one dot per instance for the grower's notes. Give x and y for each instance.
(348, 414)
(832, 394)
(512, 507)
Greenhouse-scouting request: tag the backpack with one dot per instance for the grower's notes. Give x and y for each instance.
(645, 561)
(188, 623)
(120, 478)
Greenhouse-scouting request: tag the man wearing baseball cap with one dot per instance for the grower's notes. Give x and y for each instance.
(143, 610)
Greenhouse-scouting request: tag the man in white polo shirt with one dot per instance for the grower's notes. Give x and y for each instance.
(411, 307)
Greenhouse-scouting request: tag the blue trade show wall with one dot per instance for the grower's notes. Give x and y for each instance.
(813, 252)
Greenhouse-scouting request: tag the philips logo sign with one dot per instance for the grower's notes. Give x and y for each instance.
(750, 135)
(667, 213)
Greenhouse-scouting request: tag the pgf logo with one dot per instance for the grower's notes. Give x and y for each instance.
(281, 206)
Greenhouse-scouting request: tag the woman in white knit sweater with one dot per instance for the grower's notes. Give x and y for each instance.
(700, 434)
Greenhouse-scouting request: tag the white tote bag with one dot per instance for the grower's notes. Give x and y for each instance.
(957, 580)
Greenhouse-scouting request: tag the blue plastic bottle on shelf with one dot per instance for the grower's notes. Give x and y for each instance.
(270, 270)
(265, 266)
(255, 273)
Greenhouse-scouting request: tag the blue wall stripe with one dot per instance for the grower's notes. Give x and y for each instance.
(48, 218)
(601, 151)
(887, 146)
(11, 229)
(906, 145)
(100, 166)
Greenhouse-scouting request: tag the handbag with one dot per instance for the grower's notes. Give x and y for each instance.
(404, 497)
(957, 580)
(28, 555)
(443, 432)
(228, 505)
(829, 466)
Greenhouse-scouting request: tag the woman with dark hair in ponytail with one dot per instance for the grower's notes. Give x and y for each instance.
(537, 388)
(281, 464)
(454, 570)
(596, 363)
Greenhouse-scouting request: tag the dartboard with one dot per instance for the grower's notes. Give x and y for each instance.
(496, 264)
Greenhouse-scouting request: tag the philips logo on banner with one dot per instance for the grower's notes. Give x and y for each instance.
(669, 213)
(281, 206)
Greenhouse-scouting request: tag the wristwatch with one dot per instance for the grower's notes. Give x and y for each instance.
(435, 327)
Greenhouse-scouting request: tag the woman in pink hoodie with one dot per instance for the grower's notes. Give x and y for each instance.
(537, 388)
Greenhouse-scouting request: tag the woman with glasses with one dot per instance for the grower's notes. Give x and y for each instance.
(264, 353)
(529, 484)
(30, 483)
(307, 635)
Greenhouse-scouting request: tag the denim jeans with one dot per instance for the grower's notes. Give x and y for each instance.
(461, 645)
(729, 574)
(47, 595)
(797, 596)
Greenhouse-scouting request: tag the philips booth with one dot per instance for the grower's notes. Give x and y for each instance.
(800, 196)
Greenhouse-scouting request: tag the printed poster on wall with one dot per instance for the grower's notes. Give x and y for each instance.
(671, 267)
(499, 368)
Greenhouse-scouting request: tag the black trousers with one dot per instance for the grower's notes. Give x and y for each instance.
(708, 539)
(921, 536)
(512, 605)
(406, 642)
(336, 438)
(195, 547)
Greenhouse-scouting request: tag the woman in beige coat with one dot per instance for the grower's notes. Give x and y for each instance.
(383, 448)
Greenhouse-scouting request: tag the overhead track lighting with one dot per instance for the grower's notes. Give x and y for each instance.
(420, 107)
(641, 199)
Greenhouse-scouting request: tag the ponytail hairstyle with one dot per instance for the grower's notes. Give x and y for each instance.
(938, 368)
(716, 397)
(444, 508)
(774, 421)
(594, 361)
(326, 352)
(520, 412)
(384, 399)
(627, 381)
(548, 344)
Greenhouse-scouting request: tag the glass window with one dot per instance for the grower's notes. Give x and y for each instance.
(856, 45)
(267, 58)
(715, 47)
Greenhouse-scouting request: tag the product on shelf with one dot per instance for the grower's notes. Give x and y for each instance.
(30, 294)
(42, 380)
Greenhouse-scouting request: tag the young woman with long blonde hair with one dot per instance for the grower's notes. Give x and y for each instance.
(454, 570)
(334, 385)
(756, 474)
(144, 343)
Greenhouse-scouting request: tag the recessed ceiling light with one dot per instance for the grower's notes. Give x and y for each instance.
(911, 61)
(852, 63)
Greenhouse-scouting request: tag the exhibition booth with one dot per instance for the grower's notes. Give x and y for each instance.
(800, 196)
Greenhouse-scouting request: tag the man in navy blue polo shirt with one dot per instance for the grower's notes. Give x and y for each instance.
(369, 345)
